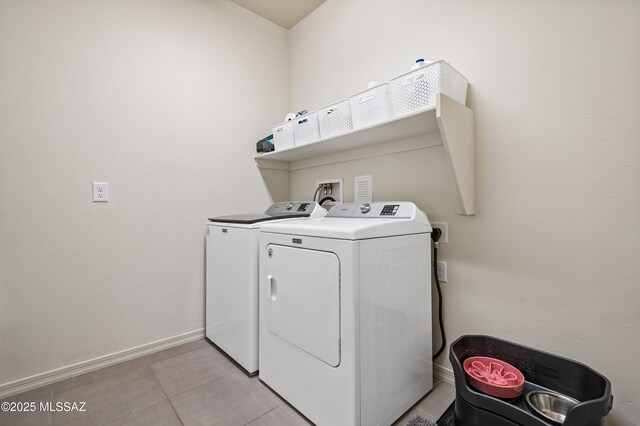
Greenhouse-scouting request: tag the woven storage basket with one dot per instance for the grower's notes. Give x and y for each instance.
(370, 106)
(418, 89)
(335, 119)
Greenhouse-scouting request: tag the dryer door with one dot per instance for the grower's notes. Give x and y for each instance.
(303, 300)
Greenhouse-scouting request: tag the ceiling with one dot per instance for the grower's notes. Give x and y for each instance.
(285, 13)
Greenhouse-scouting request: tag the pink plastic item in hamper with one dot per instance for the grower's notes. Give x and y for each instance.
(494, 377)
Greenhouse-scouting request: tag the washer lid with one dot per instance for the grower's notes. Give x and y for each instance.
(356, 221)
(285, 210)
(253, 218)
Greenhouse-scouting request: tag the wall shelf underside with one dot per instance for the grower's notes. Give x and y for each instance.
(453, 121)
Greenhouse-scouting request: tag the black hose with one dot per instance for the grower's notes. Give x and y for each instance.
(320, 187)
(326, 199)
(435, 274)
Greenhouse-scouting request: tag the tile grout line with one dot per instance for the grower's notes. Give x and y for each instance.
(164, 391)
(197, 387)
(134, 412)
(262, 415)
(175, 411)
(138, 358)
(54, 391)
(284, 403)
(155, 377)
(209, 382)
(148, 406)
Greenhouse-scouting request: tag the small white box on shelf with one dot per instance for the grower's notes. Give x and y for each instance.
(283, 135)
(335, 119)
(418, 88)
(306, 128)
(370, 106)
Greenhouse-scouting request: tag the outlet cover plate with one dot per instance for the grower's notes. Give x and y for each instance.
(444, 227)
(100, 192)
(442, 271)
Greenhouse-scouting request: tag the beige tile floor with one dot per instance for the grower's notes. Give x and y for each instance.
(191, 384)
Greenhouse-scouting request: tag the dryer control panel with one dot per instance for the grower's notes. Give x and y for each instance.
(379, 210)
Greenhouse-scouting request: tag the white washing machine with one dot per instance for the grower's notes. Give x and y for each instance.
(345, 312)
(232, 278)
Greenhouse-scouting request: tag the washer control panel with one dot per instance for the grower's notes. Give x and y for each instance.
(293, 207)
(380, 210)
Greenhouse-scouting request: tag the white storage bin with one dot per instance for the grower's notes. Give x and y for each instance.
(370, 106)
(283, 135)
(306, 128)
(335, 119)
(418, 88)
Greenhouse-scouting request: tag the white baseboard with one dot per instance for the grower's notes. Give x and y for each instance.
(48, 377)
(443, 373)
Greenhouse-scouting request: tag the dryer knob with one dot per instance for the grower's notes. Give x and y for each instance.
(289, 206)
(365, 208)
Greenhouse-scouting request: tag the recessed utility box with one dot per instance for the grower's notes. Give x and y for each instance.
(335, 191)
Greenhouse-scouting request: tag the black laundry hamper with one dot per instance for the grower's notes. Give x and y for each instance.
(542, 371)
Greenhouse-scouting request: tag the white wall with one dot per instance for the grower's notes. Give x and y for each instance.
(552, 259)
(162, 99)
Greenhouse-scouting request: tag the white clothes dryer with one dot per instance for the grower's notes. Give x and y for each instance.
(232, 278)
(345, 312)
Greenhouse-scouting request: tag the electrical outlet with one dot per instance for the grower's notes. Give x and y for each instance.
(441, 267)
(334, 192)
(443, 226)
(100, 192)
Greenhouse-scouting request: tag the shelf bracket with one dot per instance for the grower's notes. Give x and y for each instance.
(456, 124)
(264, 163)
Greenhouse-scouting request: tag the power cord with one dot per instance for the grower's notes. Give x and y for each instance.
(435, 236)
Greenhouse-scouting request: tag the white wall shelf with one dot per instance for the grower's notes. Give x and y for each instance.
(453, 121)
